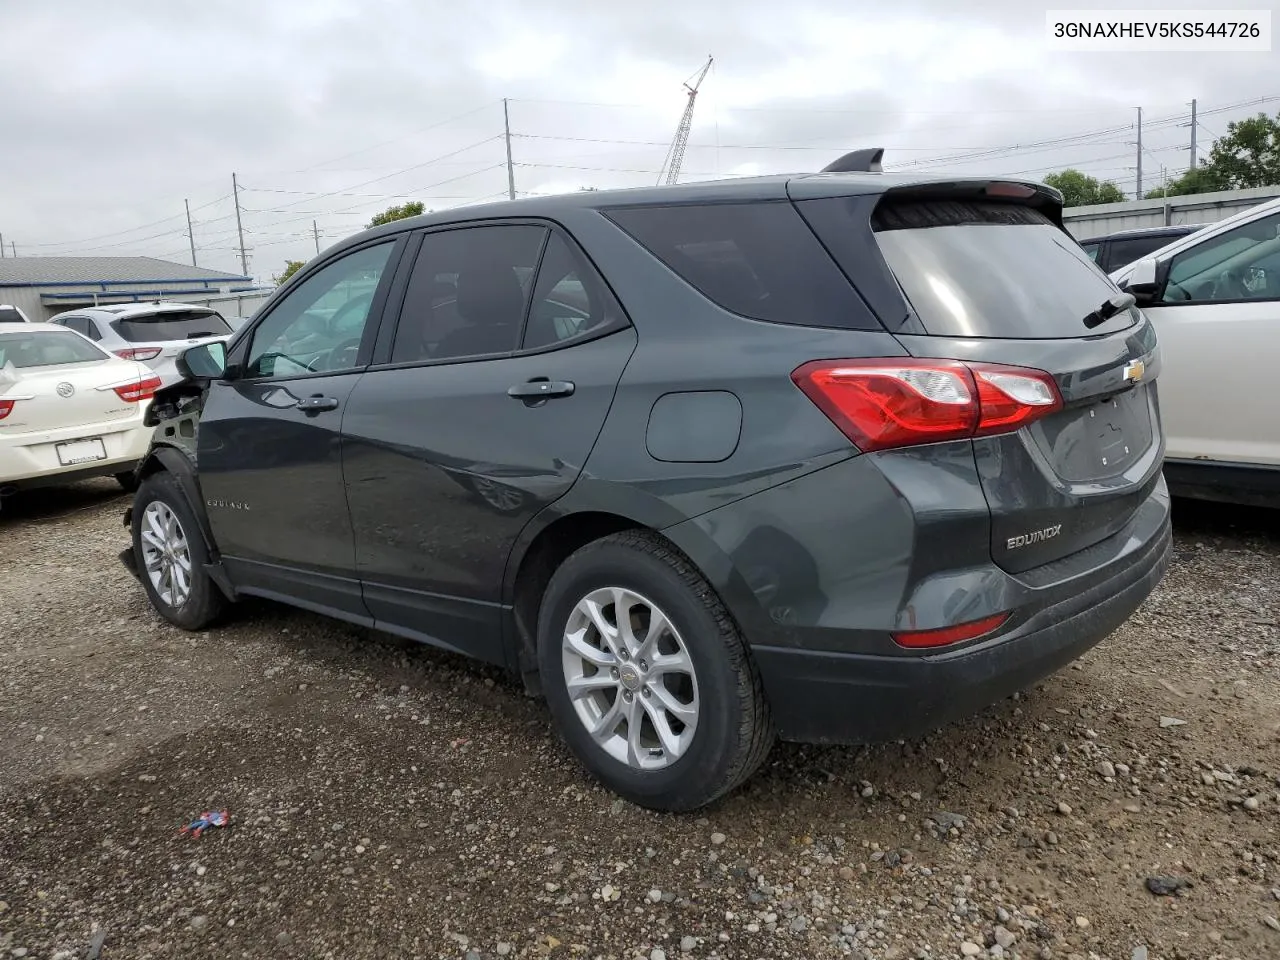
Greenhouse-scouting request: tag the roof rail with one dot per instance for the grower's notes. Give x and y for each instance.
(858, 161)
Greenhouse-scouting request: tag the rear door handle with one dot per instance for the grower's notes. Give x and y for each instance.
(541, 389)
(317, 404)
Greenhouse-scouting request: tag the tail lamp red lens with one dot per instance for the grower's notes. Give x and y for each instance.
(945, 636)
(143, 389)
(6, 408)
(139, 353)
(886, 403)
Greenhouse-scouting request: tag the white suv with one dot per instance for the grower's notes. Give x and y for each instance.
(1214, 297)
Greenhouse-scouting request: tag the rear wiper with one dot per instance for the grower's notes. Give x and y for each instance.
(1117, 304)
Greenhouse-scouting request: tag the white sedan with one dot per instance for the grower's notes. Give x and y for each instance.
(1214, 297)
(68, 409)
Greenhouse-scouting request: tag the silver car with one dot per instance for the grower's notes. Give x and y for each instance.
(153, 333)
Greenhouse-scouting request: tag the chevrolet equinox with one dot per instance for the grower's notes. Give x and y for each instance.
(831, 457)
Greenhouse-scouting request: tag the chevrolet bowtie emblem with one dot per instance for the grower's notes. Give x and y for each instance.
(1134, 370)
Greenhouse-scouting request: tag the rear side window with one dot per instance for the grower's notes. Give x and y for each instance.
(172, 325)
(759, 260)
(1126, 251)
(990, 269)
(10, 315)
(46, 348)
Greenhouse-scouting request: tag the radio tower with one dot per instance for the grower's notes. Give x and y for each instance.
(670, 172)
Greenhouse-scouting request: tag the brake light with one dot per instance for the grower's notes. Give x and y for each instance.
(6, 408)
(917, 639)
(902, 402)
(143, 389)
(139, 353)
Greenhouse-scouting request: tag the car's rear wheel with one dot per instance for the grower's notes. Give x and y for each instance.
(170, 553)
(647, 677)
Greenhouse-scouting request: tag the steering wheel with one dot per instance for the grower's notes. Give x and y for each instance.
(343, 355)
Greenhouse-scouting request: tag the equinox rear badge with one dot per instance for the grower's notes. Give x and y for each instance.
(1035, 536)
(1134, 370)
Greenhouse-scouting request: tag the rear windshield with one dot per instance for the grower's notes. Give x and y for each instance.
(759, 260)
(172, 325)
(984, 269)
(46, 348)
(10, 315)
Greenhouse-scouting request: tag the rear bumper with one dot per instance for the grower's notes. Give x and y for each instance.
(825, 697)
(31, 460)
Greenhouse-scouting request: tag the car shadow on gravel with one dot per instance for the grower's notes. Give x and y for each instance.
(54, 503)
(1203, 518)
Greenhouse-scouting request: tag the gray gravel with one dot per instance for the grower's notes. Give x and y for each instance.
(388, 800)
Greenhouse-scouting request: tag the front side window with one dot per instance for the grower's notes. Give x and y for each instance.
(319, 326)
(1238, 265)
(468, 294)
(46, 348)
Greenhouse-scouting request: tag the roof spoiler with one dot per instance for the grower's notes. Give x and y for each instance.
(857, 161)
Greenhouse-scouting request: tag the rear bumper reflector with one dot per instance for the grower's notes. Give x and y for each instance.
(947, 635)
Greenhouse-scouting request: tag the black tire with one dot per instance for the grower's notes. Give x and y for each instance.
(205, 602)
(128, 481)
(734, 732)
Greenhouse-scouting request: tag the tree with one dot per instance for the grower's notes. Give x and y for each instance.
(413, 208)
(290, 268)
(1202, 179)
(1249, 154)
(1079, 189)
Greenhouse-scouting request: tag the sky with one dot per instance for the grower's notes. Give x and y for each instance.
(112, 114)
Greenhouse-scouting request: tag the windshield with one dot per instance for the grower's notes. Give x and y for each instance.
(172, 325)
(992, 270)
(46, 348)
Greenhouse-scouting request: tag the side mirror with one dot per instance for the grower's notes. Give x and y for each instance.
(208, 361)
(1144, 281)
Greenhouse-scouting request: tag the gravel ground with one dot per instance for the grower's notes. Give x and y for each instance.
(391, 801)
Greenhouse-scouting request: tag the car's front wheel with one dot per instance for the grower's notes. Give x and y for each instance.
(647, 677)
(171, 554)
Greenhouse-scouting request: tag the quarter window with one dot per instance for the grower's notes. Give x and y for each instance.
(319, 326)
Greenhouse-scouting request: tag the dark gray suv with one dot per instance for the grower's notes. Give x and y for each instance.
(832, 457)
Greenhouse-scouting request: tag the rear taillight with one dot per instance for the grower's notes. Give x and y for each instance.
(139, 353)
(901, 402)
(6, 406)
(138, 391)
(919, 639)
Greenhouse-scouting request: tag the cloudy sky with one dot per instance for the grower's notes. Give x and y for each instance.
(330, 110)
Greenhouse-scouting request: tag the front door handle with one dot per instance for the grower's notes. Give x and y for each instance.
(539, 389)
(317, 404)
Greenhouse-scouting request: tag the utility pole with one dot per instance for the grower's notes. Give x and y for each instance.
(240, 229)
(1164, 190)
(1, 246)
(1139, 196)
(316, 231)
(1193, 134)
(190, 233)
(511, 172)
(13, 248)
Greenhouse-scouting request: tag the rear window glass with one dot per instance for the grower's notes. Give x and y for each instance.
(983, 269)
(10, 315)
(46, 348)
(759, 260)
(172, 325)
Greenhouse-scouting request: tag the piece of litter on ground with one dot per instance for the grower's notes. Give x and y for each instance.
(210, 818)
(1166, 722)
